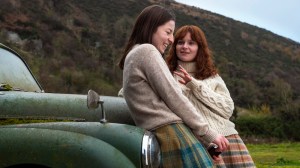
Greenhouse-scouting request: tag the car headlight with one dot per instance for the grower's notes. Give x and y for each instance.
(151, 156)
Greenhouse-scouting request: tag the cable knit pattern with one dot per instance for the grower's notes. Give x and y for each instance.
(154, 98)
(211, 98)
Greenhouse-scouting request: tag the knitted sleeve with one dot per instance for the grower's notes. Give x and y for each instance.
(217, 99)
(162, 81)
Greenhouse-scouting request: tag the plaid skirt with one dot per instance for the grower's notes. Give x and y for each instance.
(236, 155)
(180, 148)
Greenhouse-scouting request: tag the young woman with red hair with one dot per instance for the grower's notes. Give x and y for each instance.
(190, 61)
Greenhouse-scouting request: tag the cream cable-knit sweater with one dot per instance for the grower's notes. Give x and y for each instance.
(153, 96)
(211, 98)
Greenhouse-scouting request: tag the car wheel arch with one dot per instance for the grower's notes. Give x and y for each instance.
(56, 148)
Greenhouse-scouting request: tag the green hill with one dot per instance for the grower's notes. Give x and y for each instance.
(73, 46)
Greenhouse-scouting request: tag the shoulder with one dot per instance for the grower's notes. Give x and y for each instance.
(216, 77)
(215, 80)
(148, 52)
(145, 48)
(219, 78)
(137, 51)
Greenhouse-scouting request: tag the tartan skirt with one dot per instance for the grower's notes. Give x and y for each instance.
(236, 155)
(180, 148)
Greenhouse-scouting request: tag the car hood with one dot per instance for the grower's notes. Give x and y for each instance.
(16, 104)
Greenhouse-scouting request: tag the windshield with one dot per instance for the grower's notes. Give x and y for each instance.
(15, 73)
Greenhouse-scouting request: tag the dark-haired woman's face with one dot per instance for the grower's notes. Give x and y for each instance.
(164, 36)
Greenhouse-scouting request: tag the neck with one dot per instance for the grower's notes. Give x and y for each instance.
(190, 67)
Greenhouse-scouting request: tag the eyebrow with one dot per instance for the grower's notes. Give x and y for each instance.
(187, 40)
(170, 29)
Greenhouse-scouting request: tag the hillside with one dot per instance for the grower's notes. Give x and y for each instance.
(73, 46)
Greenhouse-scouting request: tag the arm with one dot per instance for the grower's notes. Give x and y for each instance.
(218, 100)
(162, 82)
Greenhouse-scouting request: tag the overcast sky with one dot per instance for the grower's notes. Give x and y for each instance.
(279, 17)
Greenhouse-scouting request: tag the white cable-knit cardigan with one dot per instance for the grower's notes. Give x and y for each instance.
(211, 99)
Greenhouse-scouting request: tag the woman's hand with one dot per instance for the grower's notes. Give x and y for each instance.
(212, 150)
(222, 143)
(185, 77)
(217, 158)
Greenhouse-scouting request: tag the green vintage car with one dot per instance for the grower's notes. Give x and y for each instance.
(66, 130)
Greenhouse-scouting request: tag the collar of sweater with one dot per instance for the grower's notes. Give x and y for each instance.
(190, 67)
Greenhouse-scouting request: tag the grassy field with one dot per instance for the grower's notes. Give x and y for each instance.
(283, 155)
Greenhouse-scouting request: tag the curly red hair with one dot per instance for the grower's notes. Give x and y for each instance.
(204, 62)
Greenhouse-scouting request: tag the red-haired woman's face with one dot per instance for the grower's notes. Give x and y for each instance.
(186, 48)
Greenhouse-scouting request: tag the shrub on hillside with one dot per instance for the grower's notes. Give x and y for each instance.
(268, 127)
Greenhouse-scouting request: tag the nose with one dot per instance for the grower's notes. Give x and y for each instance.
(171, 39)
(185, 45)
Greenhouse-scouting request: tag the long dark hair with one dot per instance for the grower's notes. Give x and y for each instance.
(204, 63)
(145, 26)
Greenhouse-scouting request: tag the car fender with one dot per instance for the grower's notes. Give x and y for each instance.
(125, 138)
(56, 148)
